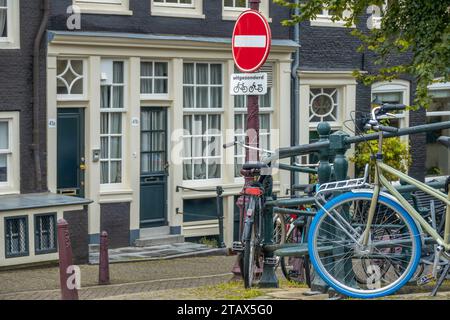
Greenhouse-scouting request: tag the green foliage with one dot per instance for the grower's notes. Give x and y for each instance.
(395, 154)
(210, 242)
(233, 290)
(419, 27)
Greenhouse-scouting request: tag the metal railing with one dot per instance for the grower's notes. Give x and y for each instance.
(219, 207)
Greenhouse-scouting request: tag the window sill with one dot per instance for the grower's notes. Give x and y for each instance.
(323, 22)
(6, 191)
(113, 192)
(158, 97)
(183, 15)
(106, 11)
(71, 98)
(229, 15)
(9, 45)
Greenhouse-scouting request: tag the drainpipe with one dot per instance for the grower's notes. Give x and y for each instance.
(295, 95)
(36, 98)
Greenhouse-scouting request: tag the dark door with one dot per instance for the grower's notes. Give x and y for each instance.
(153, 211)
(70, 152)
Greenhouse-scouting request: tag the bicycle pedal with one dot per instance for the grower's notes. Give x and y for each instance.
(237, 246)
(271, 261)
(425, 279)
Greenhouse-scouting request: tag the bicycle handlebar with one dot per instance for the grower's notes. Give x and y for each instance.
(387, 129)
(392, 107)
(228, 145)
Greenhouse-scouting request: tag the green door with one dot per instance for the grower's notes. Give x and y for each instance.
(70, 152)
(153, 208)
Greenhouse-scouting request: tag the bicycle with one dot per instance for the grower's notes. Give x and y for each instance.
(251, 244)
(372, 233)
(297, 269)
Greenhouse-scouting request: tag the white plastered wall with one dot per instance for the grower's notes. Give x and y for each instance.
(132, 51)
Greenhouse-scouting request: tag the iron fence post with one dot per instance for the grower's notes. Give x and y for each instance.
(219, 192)
(324, 176)
(269, 278)
(339, 147)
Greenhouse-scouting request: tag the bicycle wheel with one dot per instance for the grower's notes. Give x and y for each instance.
(251, 252)
(297, 269)
(389, 259)
(279, 229)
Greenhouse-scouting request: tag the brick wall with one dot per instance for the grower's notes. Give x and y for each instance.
(79, 236)
(16, 91)
(115, 219)
(142, 22)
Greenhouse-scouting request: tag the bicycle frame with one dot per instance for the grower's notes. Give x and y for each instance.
(380, 180)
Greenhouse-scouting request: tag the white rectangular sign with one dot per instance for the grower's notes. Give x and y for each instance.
(247, 84)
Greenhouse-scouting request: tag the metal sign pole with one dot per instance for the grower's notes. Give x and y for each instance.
(251, 139)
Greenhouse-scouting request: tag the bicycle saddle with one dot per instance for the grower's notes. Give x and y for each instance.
(444, 141)
(254, 165)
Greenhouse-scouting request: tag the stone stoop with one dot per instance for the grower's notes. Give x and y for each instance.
(159, 240)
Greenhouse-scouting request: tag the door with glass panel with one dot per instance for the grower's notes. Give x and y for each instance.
(154, 167)
(70, 152)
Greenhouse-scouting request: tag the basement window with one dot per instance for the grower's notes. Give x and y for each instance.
(16, 237)
(45, 233)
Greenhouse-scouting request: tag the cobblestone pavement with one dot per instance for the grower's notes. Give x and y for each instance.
(126, 278)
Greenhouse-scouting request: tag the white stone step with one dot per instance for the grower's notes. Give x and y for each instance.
(159, 240)
(152, 232)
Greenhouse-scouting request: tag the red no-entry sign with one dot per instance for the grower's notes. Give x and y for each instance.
(251, 41)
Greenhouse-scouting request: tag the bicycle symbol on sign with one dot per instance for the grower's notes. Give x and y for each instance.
(241, 87)
(254, 87)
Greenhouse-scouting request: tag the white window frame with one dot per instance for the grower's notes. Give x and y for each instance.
(123, 111)
(346, 83)
(74, 97)
(206, 111)
(12, 185)
(324, 20)
(12, 40)
(232, 13)
(375, 17)
(338, 107)
(396, 86)
(118, 7)
(194, 10)
(438, 87)
(155, 96)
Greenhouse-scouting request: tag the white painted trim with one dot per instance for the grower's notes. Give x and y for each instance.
(12, 41)
(346, 84)
(12, 186)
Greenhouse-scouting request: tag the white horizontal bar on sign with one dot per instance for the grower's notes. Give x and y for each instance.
(250, 41)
